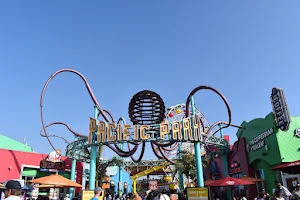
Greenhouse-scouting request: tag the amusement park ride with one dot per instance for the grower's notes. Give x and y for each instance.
(167, 130)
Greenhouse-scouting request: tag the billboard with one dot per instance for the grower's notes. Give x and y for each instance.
(153, 185)
(280, 109)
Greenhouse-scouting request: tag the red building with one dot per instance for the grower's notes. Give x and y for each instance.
(26, 166)
(239, 166)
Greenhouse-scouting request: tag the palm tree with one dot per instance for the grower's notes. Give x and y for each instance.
(102, 166)
(187, 164)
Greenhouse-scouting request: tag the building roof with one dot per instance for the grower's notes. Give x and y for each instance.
(11, 144)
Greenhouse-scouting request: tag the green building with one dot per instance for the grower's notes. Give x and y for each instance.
(10, 144)
(268, 146)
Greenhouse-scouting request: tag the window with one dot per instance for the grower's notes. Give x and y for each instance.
(26, 179)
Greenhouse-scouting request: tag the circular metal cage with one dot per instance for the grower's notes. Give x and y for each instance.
(146, 108)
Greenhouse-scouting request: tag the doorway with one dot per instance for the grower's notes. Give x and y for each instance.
(290, 180)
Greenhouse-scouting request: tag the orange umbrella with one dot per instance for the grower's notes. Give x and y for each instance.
(56, 180)
(2, 186)
(207, 182)
(49, 186)
(251, 179)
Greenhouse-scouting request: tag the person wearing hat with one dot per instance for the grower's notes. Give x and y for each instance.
(296, 192)
(13, 190)
(98, 193)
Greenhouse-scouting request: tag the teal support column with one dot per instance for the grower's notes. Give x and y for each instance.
(200, 178)
(93, 158)
(73, 170)
(120, 184)
(83, 177)
(180, 174)
(225, 167)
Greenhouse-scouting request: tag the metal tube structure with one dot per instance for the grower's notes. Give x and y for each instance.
(225, 166)
(92, 177)
(73, 169)
(200, 179)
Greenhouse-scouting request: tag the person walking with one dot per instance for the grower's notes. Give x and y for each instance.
(97, 192)
(13, 190)
(296, 192)
(285, 193)
(173, 197)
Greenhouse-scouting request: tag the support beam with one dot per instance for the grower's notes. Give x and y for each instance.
(93, 158)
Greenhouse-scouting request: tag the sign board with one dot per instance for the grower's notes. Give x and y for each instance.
(197, 193)
(280, 109)
(153, 185)
(258, 142)
(187, 130)
(88, 194)
(53, 162)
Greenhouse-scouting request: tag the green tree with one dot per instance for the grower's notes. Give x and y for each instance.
(103, 165)
(187, 164)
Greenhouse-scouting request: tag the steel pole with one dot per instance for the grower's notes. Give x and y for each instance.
(200, 178)
(93, 157)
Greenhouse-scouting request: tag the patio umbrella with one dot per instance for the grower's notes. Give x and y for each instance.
(49, 186)
(207, 182)
(251, 179)
(291, 167)
(229, 181)
(56, 180)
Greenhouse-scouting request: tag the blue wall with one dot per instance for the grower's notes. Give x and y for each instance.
(125, 178)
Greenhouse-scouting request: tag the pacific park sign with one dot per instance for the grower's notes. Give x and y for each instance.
(187, 130)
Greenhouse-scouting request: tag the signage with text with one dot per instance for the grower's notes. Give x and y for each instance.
(280, 109)
(88, 195)
(177, 131)
(197, 193)
(259, 142)
(235, 168)
(53, 162)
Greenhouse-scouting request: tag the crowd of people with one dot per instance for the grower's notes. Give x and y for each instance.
(13, 192)
(279, 193)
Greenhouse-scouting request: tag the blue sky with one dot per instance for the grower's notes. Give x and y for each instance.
(242, 48)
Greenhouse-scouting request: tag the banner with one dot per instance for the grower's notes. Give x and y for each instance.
(87, 195)
(197, 193)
